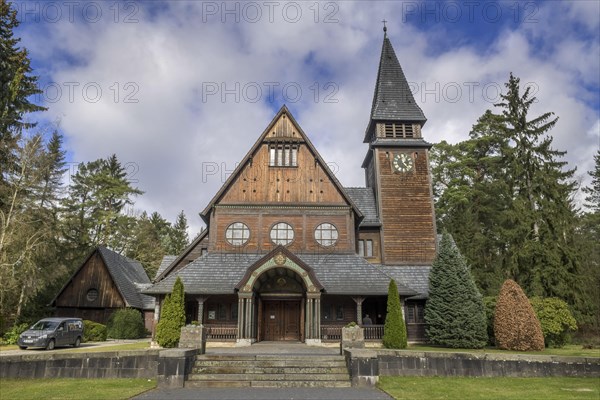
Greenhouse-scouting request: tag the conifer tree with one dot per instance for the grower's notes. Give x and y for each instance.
(178, 236)
(172, 317)
(455, 313)
(394, 330)
(516, 327)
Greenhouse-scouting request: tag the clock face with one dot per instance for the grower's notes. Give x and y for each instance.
(402, 163)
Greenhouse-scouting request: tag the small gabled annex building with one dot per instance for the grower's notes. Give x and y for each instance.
(104, 283)
(291, 254)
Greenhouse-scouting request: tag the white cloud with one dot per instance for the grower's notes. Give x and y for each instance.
(171, 135)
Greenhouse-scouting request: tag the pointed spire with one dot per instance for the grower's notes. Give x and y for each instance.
(393, 100)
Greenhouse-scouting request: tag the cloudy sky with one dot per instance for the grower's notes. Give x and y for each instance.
(180, 90)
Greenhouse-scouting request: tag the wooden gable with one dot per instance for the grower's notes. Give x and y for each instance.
(93, 274)
(282, 167)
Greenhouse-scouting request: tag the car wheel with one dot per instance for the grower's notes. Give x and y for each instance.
(23, 347)
(50, 345)
(77, 342)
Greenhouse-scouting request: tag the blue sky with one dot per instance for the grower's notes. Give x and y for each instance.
(178, 88)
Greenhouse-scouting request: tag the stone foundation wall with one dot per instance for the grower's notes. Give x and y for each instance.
(123, 364)
(367, 365)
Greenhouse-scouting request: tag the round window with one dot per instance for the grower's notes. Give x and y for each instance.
(282, 233)
(91, 295)
(326, 234)
(237, 234)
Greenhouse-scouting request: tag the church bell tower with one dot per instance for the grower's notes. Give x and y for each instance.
(397, 167)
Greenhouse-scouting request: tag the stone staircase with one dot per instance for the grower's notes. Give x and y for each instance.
(283, 370)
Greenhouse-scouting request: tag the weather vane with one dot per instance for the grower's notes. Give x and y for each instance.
(384, 27)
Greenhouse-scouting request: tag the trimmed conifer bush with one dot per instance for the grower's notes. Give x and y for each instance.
(516, 327)
(556, 320)
(126, 323)
(455, 314)
(394, 330)
(172, 317)
(489, 302)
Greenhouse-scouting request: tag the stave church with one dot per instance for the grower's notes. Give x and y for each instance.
(289, 254)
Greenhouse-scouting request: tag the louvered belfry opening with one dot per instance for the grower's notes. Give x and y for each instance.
(390, 130)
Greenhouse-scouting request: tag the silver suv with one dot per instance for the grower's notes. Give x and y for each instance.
(52, 332)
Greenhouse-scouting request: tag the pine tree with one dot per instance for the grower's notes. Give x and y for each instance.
(455, 313)
(172, 317)
(394, 330)
(516, 327)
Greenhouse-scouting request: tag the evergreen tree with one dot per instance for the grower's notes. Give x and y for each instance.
(505, 196)
(172, 317)
(17, 85)
(455, 313)
(178, 236)
(516, 327)
(394, 330)
(146, 244)
(94, 211)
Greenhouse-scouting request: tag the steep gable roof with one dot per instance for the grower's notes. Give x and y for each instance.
(166, 269)
(364, 198)
(282, 111)
(393, 99)
(128, 275)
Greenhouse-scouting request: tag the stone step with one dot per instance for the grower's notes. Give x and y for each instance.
(269, 363)
(259, 357)
(268, 377)
(270, 384)
(227, 369)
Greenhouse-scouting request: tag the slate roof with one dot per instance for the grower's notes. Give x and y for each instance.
(164, 264)
(415, 277)
(129, 277)
(346, 273)
(364, 198)
(393, 99)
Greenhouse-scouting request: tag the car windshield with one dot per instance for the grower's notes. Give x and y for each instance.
(44, 325)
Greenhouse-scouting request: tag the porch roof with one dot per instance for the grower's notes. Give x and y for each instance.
(341, 273)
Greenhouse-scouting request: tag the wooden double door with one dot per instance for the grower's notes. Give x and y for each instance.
(281, 320)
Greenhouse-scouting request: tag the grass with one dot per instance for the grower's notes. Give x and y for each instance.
(568, 350)
(6, 347)
(432, 388)
(116, 347)
(59, 389)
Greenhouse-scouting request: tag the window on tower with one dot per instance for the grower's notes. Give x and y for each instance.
(365, 248)
(283, 155)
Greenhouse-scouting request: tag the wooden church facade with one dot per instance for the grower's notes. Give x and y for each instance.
(290, 254)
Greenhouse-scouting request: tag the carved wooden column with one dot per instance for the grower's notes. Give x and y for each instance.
(201, 300)
(313, 319)
(358, 300)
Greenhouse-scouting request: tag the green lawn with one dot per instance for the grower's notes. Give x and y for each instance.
(569, 350)
(433, 388)
(59, 389)
(116, 347)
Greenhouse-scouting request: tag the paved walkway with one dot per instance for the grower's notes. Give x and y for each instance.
(271, 348)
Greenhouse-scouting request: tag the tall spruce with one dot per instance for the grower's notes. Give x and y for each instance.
(17, 86)
(505, 196)
(172, 317)
(455, 313)
(178, 236)
(394, 330)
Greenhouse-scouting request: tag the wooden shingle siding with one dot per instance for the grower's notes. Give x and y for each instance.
(406, 209)
(93, 275)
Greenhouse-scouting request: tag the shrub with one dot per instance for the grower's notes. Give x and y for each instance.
(455, 315)
(556, 320)
(126, 323)
(172, 317)
(94, 332)
(394, 330)
(516, 326)
(489, 303)
(12, 335)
